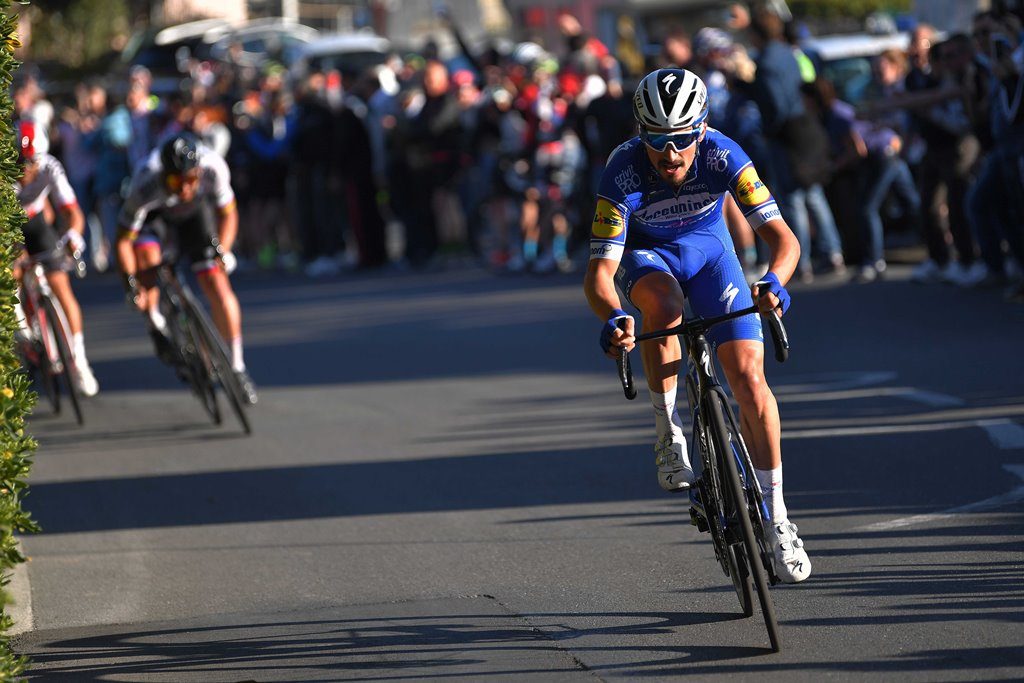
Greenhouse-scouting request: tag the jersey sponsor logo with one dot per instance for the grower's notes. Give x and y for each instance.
(682, 207)
(749, 188)
(717, 159)
(606, 250)
(763, 214)
(608, 221)
(628, 181)
(728, 296)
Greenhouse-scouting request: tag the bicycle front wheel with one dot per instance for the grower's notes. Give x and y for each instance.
(59, 326)
(736, 506)
(209, 338)
(199, 368)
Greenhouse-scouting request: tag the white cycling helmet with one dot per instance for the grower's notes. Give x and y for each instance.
(671, 99)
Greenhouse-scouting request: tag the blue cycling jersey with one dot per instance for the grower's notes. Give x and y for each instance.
(635, 206)
(649, 226)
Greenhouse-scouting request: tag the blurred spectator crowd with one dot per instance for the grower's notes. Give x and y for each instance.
(415, 163)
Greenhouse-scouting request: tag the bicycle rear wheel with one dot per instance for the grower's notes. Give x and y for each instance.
(41, 373)
(210, 339)
(59, 326)
(736, 507)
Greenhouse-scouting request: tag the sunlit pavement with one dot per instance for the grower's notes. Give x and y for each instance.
(445, 482)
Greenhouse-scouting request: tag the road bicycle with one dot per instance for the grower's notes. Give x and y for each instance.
(198, 353)
(726, 500)
(47, 349)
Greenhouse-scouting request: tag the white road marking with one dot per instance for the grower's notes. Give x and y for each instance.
(929, 398)
(834, 381)
(876, 429)
(1014, 496)
(1005, 434)
(933, 398)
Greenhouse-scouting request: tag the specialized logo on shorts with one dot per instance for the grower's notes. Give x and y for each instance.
(628, 181)
(750, 189)
(728, 296)
(608, 221)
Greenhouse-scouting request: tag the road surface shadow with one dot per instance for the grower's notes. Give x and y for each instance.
(428, 641)
(471, 646)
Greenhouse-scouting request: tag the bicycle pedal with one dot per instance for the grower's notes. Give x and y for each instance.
(698, 520)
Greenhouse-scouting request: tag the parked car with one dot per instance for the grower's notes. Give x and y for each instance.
(265, 39)
(846, 60)
(165, 51)
(349, 53)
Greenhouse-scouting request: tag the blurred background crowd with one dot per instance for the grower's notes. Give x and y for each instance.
(354, 148)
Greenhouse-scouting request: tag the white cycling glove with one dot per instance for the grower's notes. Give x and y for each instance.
(74, 238)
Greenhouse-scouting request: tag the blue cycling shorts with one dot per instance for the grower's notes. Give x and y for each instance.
(709, 273)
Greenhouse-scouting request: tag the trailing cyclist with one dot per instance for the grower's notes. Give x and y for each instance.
(43, 179)
(180, 201)
(659, 234)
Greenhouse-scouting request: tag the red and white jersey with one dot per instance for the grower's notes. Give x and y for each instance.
(51, 181)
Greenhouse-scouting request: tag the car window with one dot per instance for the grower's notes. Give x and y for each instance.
(851, 76)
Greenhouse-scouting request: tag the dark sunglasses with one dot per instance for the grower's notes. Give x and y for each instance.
(659, 142)
(175, 181)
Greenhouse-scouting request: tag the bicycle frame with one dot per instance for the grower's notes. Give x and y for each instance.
(36, 287)
(200, 349)
(732, 505)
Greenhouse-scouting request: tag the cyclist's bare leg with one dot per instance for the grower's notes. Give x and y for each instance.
(61, 286)
(227, 314)
(660, 300)
(147, 258)
(743, 363)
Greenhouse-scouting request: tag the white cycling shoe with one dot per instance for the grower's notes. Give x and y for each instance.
(674, 470)
(85, 381)
(791, 562)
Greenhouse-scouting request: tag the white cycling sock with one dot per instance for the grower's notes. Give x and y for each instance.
(158, 320)
(771, 489)
(78, 350)
(666, 419)
(237, 363)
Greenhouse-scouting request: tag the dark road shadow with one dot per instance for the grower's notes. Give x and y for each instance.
(474, 645)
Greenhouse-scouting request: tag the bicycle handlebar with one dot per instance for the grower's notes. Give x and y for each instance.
(626, 370)
(780, 340)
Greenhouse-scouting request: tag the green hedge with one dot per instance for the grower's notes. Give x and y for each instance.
(16, 399)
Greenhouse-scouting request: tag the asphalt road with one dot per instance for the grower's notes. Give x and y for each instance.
(445, 483)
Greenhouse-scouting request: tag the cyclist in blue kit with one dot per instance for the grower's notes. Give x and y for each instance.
(659, 234)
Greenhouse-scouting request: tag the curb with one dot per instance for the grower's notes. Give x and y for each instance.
(19, 593)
